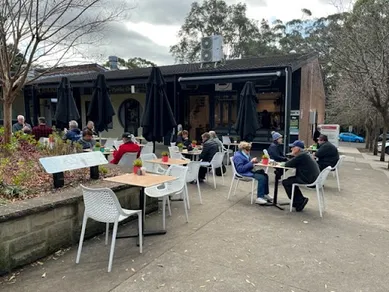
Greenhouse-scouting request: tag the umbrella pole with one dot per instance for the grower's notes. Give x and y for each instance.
(153, 146)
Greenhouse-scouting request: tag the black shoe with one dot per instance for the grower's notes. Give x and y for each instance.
(201, 180)
(193, 182)
(302, 205)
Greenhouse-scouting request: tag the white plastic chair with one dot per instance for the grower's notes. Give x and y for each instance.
(236, 176)
(175, 187)
(151, 167)
(172, 144)
(117, 143)
(109, 143)
(102, 205)
(174, 153)
(193, 175)
(335, 169)
(227, 153)
(216, 162)
(128, 159)
(318, 184)
(147, 149)
(226, 141)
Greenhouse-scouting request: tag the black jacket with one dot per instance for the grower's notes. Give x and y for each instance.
(210, 148)
(327, 155)
(276, 152)
(307, 169)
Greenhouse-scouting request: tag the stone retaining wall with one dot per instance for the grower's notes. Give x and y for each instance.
(38, 227)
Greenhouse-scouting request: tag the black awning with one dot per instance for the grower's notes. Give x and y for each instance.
(227, 78)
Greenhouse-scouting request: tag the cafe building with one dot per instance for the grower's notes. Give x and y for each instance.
(203, 97)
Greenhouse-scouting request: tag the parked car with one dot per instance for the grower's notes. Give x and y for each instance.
(350, 137)
(386, 147)
(381, 136)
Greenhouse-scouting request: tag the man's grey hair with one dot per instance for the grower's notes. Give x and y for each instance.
(20, 117)
(73, 124)
(212, 134)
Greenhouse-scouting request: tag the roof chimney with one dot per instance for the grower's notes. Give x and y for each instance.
(113, 63)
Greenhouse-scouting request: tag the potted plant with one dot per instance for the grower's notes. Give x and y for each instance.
(180, 146)
(194, 143)
(137, 165)
(165, 156)
(265, 159)
(51, 138)
(97, 146)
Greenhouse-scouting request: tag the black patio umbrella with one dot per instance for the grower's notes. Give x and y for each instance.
(158, 118)
(66, 105)
(247, 121)
(100, 110)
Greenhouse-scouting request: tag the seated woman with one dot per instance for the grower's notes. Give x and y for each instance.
(275, 149)
(244, 165)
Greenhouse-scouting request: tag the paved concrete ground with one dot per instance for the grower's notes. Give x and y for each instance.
(235, 246)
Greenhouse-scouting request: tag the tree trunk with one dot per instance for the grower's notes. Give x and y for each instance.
(382, 158)
(368, 140)
(7, 110)
(376, 133)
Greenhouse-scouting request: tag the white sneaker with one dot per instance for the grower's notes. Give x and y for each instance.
(268, 197)
(260, 201)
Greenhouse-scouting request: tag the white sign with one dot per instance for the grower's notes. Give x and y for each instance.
(56, 164)
(332, 132)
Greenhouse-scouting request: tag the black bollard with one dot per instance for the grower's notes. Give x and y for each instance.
(94, 172)
(59, 180)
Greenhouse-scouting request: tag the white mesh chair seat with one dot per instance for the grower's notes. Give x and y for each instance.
(237, 177)
(335, 169)
(151, 167)
(128, 159)
(318, 184)
(216, 162)
(193, 175)
(171, 188)
(102, 205)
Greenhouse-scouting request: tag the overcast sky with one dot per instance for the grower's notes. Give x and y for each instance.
(153, 24)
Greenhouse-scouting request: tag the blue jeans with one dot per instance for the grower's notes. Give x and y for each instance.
(263, 184)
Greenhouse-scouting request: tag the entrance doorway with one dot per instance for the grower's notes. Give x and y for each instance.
(129, 115)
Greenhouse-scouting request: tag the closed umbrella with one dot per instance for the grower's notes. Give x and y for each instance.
(158, 118)
(247, 121)
(66, 106)
(100, 110)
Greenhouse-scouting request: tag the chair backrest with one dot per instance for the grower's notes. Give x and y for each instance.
(180, 172)
(217, 160)
(193, 171)
(174, 153)
(234, 172)
(101, 204)
(226, 140)
(128, 159)
(148, 148)
(322, 176)
(43, 140)
(172, 144)
(109, 143)
(140, 132)
(340, 161)
(150, 167)
(117, 143)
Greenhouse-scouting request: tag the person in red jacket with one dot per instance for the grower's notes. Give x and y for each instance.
(127, 146)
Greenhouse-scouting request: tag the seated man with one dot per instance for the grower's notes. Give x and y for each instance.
(127, 146)
(307, 172)
(74, 133)
(21, 125)
(327, 154)
(87, 141)
(91, 126)
(275, 149)
(215, 138)
(42, 130)
(244, 165)
(210, 148)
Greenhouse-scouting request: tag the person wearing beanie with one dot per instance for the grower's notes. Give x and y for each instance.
(275, 148)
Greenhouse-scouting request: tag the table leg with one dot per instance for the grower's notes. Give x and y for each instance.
(145, 233)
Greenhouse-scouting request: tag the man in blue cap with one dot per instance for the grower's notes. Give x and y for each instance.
(307, 171)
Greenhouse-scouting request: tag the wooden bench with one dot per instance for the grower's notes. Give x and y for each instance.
(56, 165)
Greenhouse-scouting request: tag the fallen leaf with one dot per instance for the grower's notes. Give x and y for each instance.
(306, 222)
(248, 281)
(202, 286)
(11, 278)
(160, 265)
(132, 269)
(63, 277)
(44, 275)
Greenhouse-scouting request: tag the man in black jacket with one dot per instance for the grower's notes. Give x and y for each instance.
(307, 172)
(327, 154)
(210, 147)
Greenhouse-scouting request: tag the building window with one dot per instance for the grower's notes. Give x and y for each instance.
(226, 108)
(129, 115)
(269, 110)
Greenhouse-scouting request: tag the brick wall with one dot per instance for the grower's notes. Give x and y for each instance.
(312, 97)
(36, 232)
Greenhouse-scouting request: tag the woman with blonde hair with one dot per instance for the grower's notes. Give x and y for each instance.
(244, 165)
